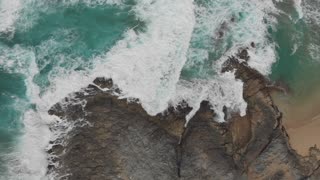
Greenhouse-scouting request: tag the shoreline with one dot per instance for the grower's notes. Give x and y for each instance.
(301, 118)
(135, 145)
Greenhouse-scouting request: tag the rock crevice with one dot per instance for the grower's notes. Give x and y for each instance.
(119, 140)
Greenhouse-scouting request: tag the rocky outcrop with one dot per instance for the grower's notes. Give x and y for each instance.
(260, 141)
(116, 139)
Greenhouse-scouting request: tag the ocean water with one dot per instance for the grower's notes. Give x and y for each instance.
(158, 51)
(297, 37)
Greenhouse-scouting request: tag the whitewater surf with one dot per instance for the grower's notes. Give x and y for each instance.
(158, 51)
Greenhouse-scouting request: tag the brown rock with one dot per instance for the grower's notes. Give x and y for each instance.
(119, 140)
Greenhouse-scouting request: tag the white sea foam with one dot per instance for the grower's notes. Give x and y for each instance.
(93, 2)
(147, 65)
(297, 4)
(9, 10)
(314, 50)
(262, 59)
(28, 160)
(218, 92)
(311, 11)
(252, 20)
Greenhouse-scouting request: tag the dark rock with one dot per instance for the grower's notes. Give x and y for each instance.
(243, 54)
(121, 141)
(253, 45)
(103, 82)
(267, 154)
(203, 148)
(220, 34)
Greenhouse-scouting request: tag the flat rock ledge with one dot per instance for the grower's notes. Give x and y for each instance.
(116, 139)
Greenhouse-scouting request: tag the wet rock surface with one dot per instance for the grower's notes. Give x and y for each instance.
(117, 139)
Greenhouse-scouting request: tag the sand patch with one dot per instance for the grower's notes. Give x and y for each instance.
(301, 118)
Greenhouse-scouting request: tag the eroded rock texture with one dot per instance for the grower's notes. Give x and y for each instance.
(121, 141)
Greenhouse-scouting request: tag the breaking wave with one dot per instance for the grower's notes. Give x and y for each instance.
(157, 51)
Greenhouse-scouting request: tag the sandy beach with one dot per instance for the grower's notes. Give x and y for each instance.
(301, 119)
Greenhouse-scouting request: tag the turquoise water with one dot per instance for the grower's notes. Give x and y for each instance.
(150, 53)
(12, 90)
(222, 26)
(60, 39)
(69, 36)
(296, 66)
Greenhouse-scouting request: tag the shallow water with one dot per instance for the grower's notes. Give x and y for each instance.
(298, 67)
(157, 51)
(12, 90)
(49, 40)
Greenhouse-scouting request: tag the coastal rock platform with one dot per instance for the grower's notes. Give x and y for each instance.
(116, 139)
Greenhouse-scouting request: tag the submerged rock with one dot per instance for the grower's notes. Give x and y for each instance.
(119, 140)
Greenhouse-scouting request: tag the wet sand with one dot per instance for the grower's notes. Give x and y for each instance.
(301, 118)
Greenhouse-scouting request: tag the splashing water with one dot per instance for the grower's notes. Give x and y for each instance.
(157, 51)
